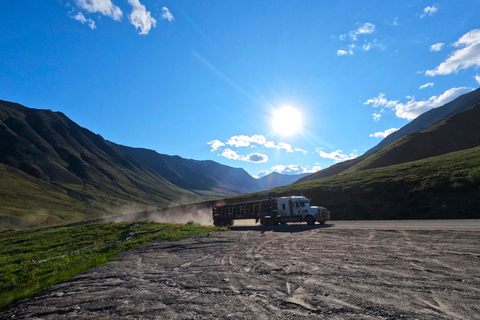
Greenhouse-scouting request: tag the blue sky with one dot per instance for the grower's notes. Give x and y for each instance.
(203, 79)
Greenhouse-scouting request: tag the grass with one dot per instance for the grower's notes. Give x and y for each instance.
(32, 260)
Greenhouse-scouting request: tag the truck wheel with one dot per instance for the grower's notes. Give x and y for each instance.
(230, 223)
(310, 220)
(321, 222)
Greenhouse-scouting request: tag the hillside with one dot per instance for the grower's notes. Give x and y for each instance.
(420, 147)
(55, 171)
(458, 132)
(205, 178)
(442, 187)
(430, 118)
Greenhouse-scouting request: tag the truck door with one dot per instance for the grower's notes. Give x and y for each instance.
(290, 207)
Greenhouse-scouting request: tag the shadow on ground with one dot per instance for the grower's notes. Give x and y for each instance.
(290, 228)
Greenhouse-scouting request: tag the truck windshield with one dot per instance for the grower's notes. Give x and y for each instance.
(305, 204)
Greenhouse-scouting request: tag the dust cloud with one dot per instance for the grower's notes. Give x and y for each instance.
(197, 213)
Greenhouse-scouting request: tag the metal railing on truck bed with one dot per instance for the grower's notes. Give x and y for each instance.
(244, 210)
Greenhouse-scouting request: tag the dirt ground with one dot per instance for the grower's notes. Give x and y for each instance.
(336, 271)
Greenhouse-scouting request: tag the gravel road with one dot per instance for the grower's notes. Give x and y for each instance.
(342, 270)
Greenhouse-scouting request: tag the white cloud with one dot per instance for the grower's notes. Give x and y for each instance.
(167, 15)
(366, 28)
(314, 169)
(436, 47)
(466, 57)
(294, 169)
(245, 141)
(80, 17)
(140, 17)
(252, 142)
(381, 101)
(105, 7)
(428, 11)
(376, 116)
(384, 133)
(253, 157)
(477, 77)
(301, 150)
(337, 156)
(426, 85)
(412, 109)
(215, 144)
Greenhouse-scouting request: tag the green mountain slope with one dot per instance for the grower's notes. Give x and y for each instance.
(415, 143)
(446, 186)
(458, 132)
(80, 174)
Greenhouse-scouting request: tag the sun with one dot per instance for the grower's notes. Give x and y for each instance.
(287, 121)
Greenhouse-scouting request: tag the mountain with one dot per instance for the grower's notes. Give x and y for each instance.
(414, 150)
(458, 132)
(205, 178)
(430, 118)
(275, 179)
(44, 152)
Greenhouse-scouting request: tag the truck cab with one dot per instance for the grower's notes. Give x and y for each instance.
(298, 208)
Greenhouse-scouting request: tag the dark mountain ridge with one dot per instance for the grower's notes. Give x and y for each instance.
(206, 178)
(50, 147)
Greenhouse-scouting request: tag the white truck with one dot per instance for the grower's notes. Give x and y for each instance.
(270, 211)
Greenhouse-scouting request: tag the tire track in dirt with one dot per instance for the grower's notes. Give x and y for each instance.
(297, 272)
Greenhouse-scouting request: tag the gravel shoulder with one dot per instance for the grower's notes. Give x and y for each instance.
(343, 270)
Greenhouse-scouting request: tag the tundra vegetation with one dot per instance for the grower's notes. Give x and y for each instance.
(34, 259)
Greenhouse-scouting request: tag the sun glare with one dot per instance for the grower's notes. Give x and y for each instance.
(287, 121)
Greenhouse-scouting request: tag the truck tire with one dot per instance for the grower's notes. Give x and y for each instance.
(310, 220)
(230, 223)
(321, 222)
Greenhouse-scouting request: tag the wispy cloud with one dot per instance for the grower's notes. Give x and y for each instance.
(337, 156)
(436, 47)
(466, 57)
(477, 77)
(353, 36)
(140, 17)
(376, 116)
(253, 157)
(294, 169)
(383, 134)
(80, 17)
(167, 15)
(426, 85)
(428, 11)
(412, 109)
(105, 7)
